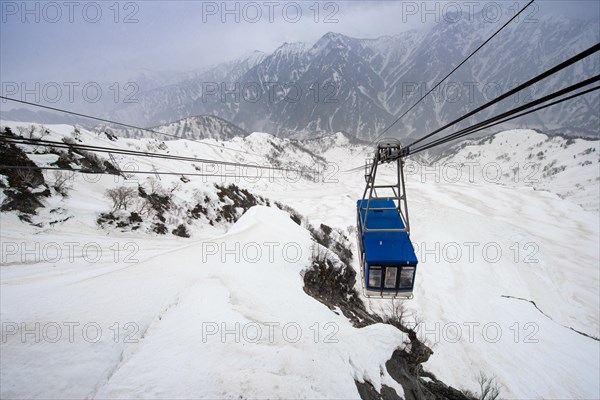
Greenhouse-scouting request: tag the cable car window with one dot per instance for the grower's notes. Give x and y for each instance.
(375, 277)
(390, 277)
(406, 277)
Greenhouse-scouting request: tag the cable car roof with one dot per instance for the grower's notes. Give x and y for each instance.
(386, 247)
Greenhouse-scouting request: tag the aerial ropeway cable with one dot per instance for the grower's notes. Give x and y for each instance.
(102, 149)
(451, 72)
(544, 75)
(387, 259)
(120, 124)
(509, 115)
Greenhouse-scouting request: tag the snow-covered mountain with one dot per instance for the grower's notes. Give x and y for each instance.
(558, 164)
(185, 98)
(360, 86)
(167, 305)
(341, 83)
(193, 128)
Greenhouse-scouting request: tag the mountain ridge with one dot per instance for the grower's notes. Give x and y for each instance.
(360, 85)
(340, 83)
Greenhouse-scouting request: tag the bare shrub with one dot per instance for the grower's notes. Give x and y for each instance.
(30, 177)
(489, 388)
(122, 197)
(61, 183)
(396, 310)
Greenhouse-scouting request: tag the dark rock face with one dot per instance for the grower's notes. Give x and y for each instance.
(22, 181)
(406, 369)
(334, 287)
(368, 392)
(400, 369)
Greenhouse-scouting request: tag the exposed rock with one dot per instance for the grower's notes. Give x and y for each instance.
(368, 392)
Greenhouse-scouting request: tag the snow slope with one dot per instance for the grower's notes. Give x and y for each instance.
(523, 157)
(177, 313)
(176, 290)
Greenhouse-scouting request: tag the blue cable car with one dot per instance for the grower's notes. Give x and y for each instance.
(387, 257)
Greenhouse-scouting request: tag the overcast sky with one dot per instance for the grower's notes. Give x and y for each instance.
(52, 41)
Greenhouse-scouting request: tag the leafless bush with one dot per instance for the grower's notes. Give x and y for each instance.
(176, 187)
(61, 183)
(154, 198)
(319, 253)
(145, 207)
(122, 197)
(26, 131)
(30, 177)
(396, 310)
(490, 389)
